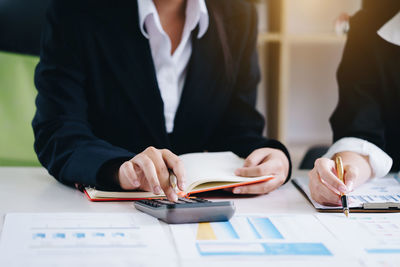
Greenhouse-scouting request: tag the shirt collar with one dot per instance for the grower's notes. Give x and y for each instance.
(391, 30)
(195, 9)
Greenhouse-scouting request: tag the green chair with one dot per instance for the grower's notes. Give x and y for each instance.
(17, 107)
(21, 24)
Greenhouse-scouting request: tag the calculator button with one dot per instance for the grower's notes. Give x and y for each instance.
(164, 202)
(187, 200)
(201, 200)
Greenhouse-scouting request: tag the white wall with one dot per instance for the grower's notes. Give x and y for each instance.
(313, 93)
(317, 16)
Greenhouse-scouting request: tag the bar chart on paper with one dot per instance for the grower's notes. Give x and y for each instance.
(253, 228)
(56, 238)
(252, 235)
(374, 235)
(89, 232)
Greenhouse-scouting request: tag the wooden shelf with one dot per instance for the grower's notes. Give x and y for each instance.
(314, 38)
(269, 37)
(317, 38)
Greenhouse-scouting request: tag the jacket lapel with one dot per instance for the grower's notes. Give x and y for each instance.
(137, 72)
(205, 92)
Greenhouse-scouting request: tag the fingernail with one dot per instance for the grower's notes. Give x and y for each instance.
(343, 189)
(237, 172)
(157, 190)
(236, 190)
(181, 194)
(183, 185)
(350, 186)
(175, 198)
(136, 183)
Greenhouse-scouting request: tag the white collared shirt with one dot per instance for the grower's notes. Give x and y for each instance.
(380, 162)
(391, 30)
(171, 69)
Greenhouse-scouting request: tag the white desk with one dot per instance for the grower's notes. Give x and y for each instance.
(34, 190)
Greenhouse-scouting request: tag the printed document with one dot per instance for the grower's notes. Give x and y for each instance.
(285, 236)
(84, 239)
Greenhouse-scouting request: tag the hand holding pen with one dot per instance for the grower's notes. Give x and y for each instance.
(326, 187)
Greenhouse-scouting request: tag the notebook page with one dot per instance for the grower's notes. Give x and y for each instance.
(215, 166)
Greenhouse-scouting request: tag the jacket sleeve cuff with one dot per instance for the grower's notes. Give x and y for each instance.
(380, 162)
(88, 166)
(278, 145)
(107, 176)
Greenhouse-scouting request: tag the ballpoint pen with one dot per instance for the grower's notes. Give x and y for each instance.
(173, 183)
(172, 180)
(343, 197)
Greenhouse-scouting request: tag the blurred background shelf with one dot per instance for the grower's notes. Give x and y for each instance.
(299, 52)
(302, 38)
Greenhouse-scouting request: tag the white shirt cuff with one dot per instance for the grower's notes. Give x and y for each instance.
(379, 161)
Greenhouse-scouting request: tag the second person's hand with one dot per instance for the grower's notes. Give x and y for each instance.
(326, 187)
(148, 171)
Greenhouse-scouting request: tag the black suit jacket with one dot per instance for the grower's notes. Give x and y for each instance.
(98, 100)
(369, 83)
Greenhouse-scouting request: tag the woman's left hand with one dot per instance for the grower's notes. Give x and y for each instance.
(263, 161)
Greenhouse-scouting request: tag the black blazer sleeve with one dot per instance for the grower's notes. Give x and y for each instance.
(241, 127)
(359, 110)
(64, 141)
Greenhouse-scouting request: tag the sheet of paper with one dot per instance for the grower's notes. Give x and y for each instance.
(375, 191)
(84, 239)
(371, 236)
(292, 240)
(257, 237)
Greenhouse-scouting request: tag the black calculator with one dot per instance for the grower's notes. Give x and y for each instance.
(187, 210)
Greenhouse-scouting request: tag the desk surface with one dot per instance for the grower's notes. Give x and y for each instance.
(34, 190)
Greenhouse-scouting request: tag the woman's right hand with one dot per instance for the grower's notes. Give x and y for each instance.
(326, 187)
(149, 171)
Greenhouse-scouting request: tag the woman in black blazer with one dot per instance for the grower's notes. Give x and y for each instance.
(366, 121)
(102, 106)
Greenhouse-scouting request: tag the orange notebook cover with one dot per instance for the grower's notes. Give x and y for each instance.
(204, 172)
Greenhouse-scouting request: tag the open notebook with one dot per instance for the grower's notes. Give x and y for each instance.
(377, 195)
(204, 172)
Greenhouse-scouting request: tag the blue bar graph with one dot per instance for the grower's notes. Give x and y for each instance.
(224, 230)
(263, 249)
(59, 235)
(118, 234)
(38, 236)
(264, 229)
(99, 234)
(314, 249)
(79, 235)
(383, 251)
(230, 249)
